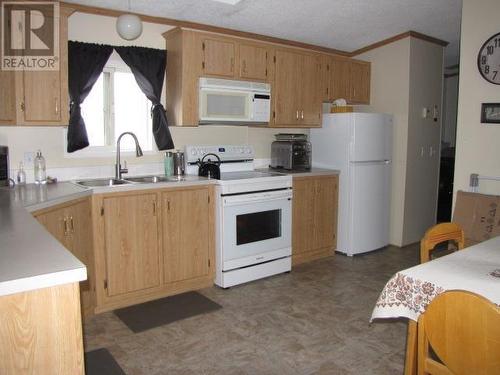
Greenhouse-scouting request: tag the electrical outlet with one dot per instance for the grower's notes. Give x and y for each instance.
(28, 159)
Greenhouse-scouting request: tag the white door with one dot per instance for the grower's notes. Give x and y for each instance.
(370, 206)
(371, 137)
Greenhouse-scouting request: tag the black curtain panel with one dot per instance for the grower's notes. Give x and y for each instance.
(148, 66)
(85, 63)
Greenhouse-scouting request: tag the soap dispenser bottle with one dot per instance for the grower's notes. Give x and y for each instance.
(21, 175)
(40, 173)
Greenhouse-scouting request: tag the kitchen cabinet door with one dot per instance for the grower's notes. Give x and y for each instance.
(360, 82)
(42, 97)
(55, 223)
(340, 78)
(253, 62)
(314, 217)
(7, 98)
(310, 92)
(303, 215)
(186, 234)
(218, 57)
(131, 243)
(286, 93)
(325, 210)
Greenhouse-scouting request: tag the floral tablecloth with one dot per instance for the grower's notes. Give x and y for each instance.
(475, 269)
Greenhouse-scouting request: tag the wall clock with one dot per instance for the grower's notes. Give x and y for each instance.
(488, 60)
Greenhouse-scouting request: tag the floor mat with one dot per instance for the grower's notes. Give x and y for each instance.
(101, 362)
(166, 310)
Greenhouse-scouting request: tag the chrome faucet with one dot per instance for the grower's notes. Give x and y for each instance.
(138, 152)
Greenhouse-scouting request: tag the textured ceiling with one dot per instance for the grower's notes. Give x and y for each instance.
(342, 24)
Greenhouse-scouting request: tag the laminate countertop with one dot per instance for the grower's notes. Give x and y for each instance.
(30, 257)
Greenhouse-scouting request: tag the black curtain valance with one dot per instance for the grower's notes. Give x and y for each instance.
(148, 66)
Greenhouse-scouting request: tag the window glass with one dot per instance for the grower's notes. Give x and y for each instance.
(93, 114)
(132, 111)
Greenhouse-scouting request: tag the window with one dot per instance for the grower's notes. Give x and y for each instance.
(115, 105)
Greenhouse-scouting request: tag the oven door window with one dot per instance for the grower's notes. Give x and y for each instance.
(258, 226)
(253, 228)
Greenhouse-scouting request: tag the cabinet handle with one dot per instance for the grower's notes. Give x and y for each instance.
(302, 114)
(66, 230)
(23, 107)
(297, 114)
(232, 64)
(57, 106)
(154, 208)
(168, 205)
(71, 224)
(244, 66)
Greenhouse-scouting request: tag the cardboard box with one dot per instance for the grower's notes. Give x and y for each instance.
(479, 216)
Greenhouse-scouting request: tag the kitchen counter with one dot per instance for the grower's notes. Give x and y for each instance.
(30, 258)
(311, 173)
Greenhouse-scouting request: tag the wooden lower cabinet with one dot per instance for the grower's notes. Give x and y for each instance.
(314, 218)
(41, 332)
(131, 243)
(71, 224)
(152, 243)
(186, 234)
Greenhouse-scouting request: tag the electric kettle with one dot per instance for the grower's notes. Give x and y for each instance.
(209, 168)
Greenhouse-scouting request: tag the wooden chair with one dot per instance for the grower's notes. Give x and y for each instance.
(440, 233)
(463, 330)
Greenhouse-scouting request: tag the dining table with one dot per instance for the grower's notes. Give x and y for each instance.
(407, 294)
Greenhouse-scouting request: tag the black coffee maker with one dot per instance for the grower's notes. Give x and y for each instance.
(209, 168)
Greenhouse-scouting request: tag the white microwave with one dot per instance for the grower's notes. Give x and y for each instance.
(223, 101)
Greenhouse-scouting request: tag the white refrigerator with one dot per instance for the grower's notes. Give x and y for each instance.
(360, 146)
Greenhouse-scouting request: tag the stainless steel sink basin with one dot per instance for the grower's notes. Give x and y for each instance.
(98, 182)
(147, 179)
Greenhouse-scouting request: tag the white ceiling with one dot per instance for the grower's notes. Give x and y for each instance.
(341, 24)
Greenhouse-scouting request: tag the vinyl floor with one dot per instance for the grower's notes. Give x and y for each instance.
(314, 320)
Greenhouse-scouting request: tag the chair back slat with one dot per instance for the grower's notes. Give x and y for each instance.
(438, 234)
(463, 329)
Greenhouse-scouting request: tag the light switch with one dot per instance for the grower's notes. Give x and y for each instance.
(425, 112)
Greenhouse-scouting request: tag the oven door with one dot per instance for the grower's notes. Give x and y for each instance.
(256, 228)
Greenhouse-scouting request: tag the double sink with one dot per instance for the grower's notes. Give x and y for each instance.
(101, 182)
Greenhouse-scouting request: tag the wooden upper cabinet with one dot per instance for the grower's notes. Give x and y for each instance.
(286, 87)
(296, 90)
(218, 57)
(7, 98)
(186, 234)
(346, 79)
(360, 82)
(339, 78)
(42, 97)
(310, 91)
(131, 243)
(253, 62)
(38, 97)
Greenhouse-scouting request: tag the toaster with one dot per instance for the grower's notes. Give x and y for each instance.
(292, 155)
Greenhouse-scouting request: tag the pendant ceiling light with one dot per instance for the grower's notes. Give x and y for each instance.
(129, 26)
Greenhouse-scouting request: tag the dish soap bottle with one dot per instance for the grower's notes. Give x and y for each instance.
(21, 175)
(40, 173)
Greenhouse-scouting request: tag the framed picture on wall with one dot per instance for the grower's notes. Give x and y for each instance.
(490, 113)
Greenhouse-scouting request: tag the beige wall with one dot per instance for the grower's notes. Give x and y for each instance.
(100, 29)
(390, 86)
(407, 76)
(478, 145)
(424, 136)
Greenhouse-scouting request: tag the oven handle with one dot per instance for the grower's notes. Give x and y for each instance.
(257, 197)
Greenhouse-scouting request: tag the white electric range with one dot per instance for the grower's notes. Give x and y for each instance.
(253, 215)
